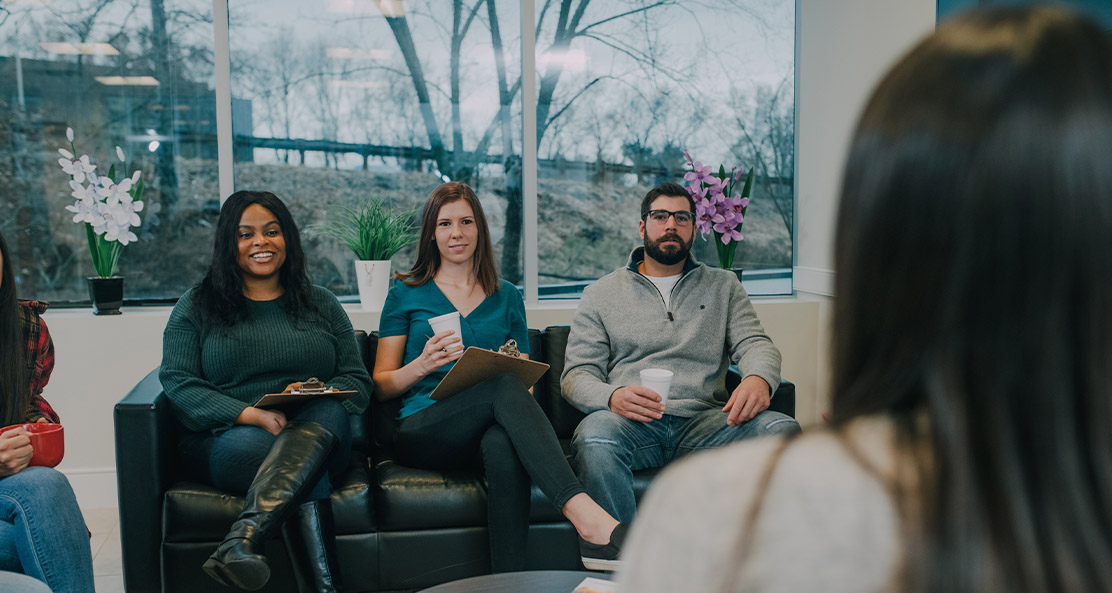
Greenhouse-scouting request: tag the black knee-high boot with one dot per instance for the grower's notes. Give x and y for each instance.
(310, 536)
(293, 466)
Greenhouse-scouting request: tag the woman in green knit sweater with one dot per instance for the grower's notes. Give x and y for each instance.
(255, 325)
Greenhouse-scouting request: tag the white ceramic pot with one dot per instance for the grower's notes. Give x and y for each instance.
(373, 278)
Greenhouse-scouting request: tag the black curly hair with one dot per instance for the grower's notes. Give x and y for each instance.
(220, 293)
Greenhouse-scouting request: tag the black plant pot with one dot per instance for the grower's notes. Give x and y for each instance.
(107, 294)
(737, 271)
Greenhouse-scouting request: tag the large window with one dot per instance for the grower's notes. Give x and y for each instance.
(120, 73)
(624, 88)
(339, 101)
(333, 102)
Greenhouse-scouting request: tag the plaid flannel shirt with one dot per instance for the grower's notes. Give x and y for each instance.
(39, 358)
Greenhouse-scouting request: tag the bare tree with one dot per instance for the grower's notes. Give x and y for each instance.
(570, 24)
(271, 75)
(766, 140)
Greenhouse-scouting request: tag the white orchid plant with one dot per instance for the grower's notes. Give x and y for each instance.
(107, 207)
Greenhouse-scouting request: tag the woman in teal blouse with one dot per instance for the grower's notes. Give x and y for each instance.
(498, 420)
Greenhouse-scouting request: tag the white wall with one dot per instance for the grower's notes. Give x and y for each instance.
(844, 45)
(843, 48)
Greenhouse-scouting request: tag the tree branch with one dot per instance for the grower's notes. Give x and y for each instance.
(624, 14)
(557, 115)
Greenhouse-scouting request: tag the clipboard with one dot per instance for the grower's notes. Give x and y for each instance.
(478, 364)
(274, 400)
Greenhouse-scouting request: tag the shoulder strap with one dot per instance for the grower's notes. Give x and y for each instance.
(743, 543)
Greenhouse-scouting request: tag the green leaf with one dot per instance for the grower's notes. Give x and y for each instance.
(725, 251)
(105, 254)
(94, 251)
(748, 184)
(372, 232)
(137, 191)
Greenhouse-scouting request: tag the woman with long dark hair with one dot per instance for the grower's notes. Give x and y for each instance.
(42, 532)
(970, 448)
(498, 420)
(256, 325)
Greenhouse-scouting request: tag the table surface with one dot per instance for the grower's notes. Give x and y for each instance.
(532, 581)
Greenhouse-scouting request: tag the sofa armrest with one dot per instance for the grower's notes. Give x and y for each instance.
(783, 400)
(145, 437)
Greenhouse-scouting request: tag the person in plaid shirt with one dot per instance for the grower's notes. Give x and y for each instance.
(38, 354)
(42, 532)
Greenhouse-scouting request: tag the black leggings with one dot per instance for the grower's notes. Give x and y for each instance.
(500, 420)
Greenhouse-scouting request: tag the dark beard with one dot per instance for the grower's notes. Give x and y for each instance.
(670, 257)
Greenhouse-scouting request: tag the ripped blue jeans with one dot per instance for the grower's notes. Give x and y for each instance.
(608, 448)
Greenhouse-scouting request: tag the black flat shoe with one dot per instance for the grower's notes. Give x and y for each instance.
(603, 557)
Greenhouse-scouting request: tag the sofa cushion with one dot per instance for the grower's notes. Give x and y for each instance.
(407, 498)
(413, 499)
(195, 512)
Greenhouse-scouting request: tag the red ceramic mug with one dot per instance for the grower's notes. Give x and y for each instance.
(48, 444)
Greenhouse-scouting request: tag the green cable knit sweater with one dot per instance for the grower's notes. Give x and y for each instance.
(211, 374)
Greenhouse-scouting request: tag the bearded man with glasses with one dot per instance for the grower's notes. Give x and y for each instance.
(664, 310)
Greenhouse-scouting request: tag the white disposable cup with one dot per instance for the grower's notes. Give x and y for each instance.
(448, 321)
(659, 380)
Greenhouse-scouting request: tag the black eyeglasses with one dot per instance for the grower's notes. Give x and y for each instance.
(683, 217)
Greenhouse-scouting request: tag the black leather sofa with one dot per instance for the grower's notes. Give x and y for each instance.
(398, 528)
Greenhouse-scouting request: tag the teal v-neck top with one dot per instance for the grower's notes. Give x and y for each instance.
(500, 317)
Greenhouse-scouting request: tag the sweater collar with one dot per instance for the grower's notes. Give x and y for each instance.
(638, 255)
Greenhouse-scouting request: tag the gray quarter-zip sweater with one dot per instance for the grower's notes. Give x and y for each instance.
(623, 326)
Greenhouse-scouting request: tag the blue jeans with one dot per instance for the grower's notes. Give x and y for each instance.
(230, 460)
(608, 448)
(42, 532)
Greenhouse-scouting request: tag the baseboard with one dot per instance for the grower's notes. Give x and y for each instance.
(813, 280)
(95, 487)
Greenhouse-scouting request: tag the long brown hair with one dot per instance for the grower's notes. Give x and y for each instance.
(974, 289)
(15, 389)
(428, 256)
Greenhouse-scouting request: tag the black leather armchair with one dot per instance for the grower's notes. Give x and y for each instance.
(398, 528)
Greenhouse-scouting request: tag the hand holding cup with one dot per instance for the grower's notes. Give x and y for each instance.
(446, 322)
(636, 402)
(659, 380)
(38, 443)
(439, 350)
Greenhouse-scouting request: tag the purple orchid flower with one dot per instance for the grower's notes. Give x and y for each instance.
(697, 192)
(704, 213)
(717, 206)
(714, 186)
(698, 174)
(738, 205)
(728, 232)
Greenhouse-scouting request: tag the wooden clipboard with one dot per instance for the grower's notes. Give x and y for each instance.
(478, 364)
(275, 400)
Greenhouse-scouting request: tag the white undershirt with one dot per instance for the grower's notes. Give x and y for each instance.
(665, 284)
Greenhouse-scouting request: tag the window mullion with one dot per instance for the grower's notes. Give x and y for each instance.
(529, 149)
(222, 75)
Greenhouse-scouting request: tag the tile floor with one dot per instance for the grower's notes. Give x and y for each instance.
(108, 573)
